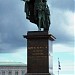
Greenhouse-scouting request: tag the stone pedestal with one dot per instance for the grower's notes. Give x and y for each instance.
(38, 52)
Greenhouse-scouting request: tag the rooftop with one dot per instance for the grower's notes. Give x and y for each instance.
(12, 64)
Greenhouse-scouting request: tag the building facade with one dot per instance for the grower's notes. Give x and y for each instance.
(12, 68)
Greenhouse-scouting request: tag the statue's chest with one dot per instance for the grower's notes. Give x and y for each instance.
(41, 6)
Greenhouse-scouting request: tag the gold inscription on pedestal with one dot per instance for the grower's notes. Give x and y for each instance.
(38, 51)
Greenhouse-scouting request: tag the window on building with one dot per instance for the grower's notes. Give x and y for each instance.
(10, 73)
(23, 72)
(3, 72)
(16, 72)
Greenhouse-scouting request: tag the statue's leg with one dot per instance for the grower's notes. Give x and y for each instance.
(47, 22)
(39, 26)
(44, 22)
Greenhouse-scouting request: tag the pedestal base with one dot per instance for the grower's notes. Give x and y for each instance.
(38, 74)
(37, 52)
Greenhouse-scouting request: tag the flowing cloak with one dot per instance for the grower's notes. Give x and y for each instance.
(29, 9)
(30, 5)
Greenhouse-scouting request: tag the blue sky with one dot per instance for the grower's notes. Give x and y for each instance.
(13, 25)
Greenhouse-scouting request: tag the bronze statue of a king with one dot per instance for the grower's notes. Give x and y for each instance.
(37, 11)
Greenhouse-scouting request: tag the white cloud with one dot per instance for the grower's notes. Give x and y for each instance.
(63, 4)
(62, 26)
(62, 21)
(69, 27)
(62, 48)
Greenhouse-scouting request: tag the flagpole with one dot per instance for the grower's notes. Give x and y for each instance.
(58, 71)
(58, 66)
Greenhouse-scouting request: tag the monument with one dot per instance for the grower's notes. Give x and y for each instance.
(37, 11)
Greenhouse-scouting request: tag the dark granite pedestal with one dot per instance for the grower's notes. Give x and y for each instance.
(38, 52)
